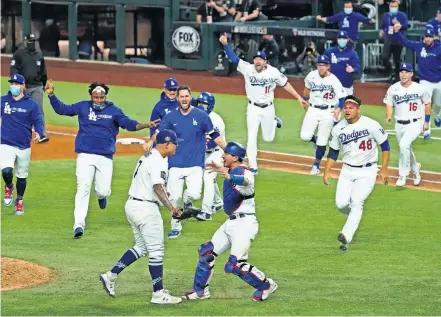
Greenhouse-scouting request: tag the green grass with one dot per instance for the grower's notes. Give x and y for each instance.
(392, 267)
(138, 103)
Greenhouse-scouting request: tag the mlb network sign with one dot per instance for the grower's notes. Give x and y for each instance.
(186, 39)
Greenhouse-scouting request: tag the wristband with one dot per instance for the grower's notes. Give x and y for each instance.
(237, 179)
(305, 98)
(427, 118)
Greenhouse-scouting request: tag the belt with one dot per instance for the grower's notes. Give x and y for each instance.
(212, 151)
(360, 166)
(322, 107)
(149, 201)
(260, 105)
(408, 121)
(239, 215)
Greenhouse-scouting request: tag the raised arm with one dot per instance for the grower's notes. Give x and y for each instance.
(413, 45)
(58, 106)
(228, 50)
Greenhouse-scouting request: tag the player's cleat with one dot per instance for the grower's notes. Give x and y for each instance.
(216, 209)
(9, 196)
(263, 295)
(194, 296)
(279, 122)
(314, 170)
(102, 203)
(19, 211)
(437, 122)
(163, 297)
(255, 171)
(401, 181)
(78, 232)
(416, 175)
(174, 234)
(204, 216)
(108, 282)
(43, 139)
(343, 242)
(426, 136)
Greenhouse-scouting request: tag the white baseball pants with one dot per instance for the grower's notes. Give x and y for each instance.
(212, 196)
(11, 156)
(265, 117)
(354, 186)
(406, 135)
(349, 91)
(88, 167)
(434, 90)
(322, 120)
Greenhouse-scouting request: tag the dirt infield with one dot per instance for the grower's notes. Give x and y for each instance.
(22, 274)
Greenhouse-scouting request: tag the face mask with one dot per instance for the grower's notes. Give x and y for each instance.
(30, 46)
(342, 43)
(348, 10)
(98, 107)
(393, 11)
(15, 90)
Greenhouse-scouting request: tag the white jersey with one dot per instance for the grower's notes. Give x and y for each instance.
(218, 125)
(248, 206)
(409, 102)
(260, 86)
(324, 91)
(150, 170)
(358, 141)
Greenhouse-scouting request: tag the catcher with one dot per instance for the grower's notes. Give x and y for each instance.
(142, 211)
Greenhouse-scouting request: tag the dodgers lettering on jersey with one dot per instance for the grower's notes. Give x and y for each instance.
(339, 61)
(219, 126)
(358, 141)
(234, 194)
(17, 119)
(192, 128)
(164, 106)
(409, 102)
(324, 90)
(260, 87)
(150, 170)
(98, 129)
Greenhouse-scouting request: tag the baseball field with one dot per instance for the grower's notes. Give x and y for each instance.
(391, 267)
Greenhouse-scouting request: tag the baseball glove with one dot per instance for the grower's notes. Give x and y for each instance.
(189, 212)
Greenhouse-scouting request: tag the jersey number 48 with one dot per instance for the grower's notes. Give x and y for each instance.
(365, 145)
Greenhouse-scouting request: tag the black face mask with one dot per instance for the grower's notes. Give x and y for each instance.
(30, 46)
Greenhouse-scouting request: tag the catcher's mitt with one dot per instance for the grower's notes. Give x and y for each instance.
(189, 212)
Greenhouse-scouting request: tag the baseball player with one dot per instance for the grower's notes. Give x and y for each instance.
(148, 188)
(411, 101)
(435, 23)
(357, 136)
(236, 233)
(326, 95)
(167, 102)
(429, 68)
(192, 125)
(261, 80)
(212, 201)
(99, 122)
(18, 114)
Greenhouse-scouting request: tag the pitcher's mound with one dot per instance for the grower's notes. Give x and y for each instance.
(22, 274)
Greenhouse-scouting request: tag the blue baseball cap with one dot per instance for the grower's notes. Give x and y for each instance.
(439, 10)
(323, 59)
(171, 83)
(260, 54)
(429, 32)
(342, 35)
(167, 136)
(17, 78)
(406, 66)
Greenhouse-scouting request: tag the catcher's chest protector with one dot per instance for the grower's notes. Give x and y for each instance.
(232, 196)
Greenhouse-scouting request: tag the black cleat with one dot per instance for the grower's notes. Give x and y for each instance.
(43, 139)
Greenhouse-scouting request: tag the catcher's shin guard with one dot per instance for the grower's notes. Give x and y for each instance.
(250, 274)
(204, 269)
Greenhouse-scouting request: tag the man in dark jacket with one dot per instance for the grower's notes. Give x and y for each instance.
(49, 37)
(29, 62)
(271, 48)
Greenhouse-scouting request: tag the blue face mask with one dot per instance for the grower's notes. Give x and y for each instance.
(348, 10)
(393, 11)
(98, 107)
(15, 90)
(342, 43)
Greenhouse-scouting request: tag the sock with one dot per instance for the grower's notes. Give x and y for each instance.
(155, 268)
(7, 177)
(314, 139)
(128, 258)
(21, 187)
(319, 153)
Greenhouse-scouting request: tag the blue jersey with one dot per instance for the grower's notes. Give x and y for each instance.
(429, 58)
(164, 106)
(17, 119)
(98, 129)
(192, 128)
(387, 22)
(436, 27)
(339, 60)
(348, 23)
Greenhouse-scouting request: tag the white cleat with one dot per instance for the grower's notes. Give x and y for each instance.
(401, 181)
(108, 282)
(314, 170)
(194, 296)
(416, 175)
(263, 295)
(163, 297)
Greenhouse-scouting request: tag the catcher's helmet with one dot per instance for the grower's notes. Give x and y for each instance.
(207, 98)
(236, 149)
